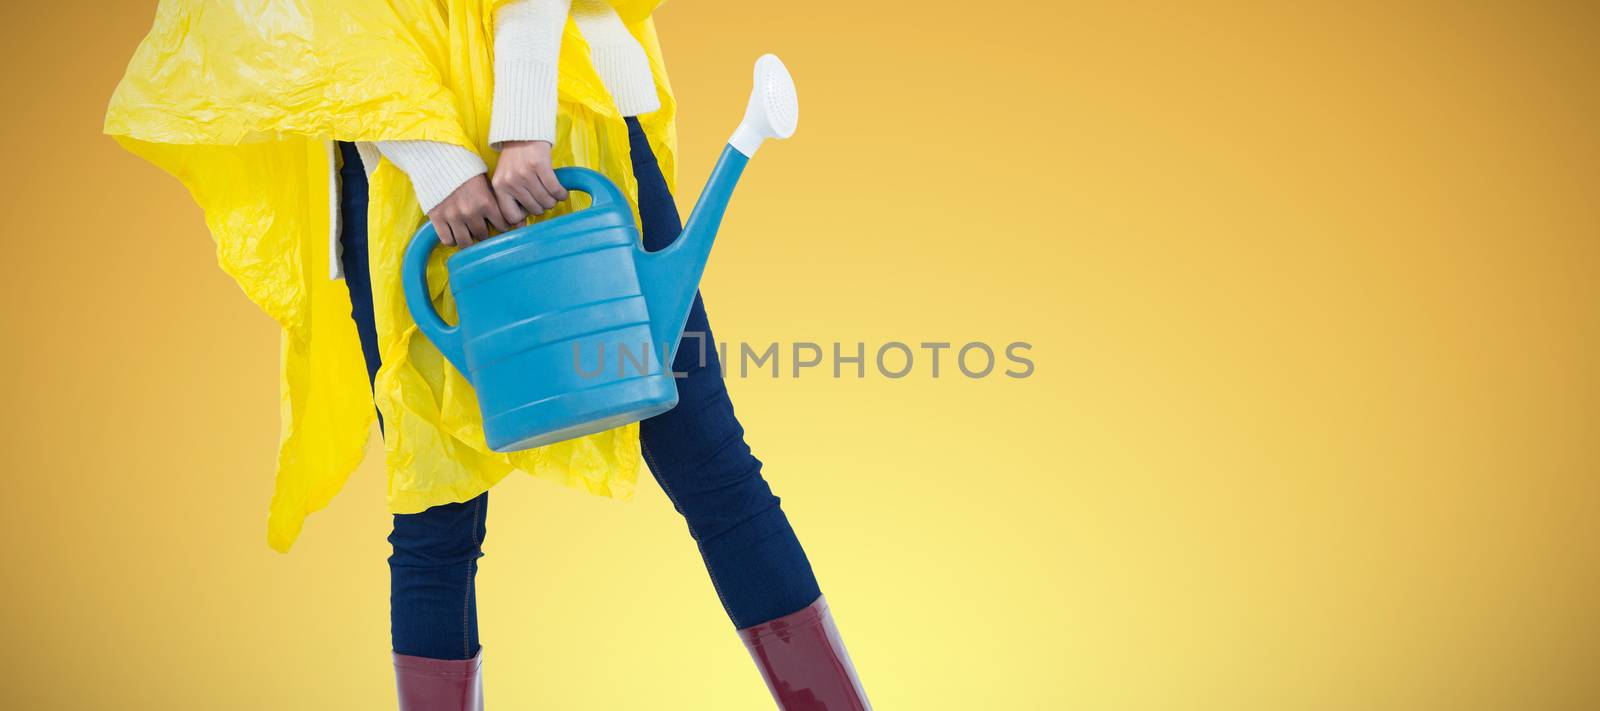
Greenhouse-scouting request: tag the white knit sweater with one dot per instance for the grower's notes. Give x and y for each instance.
(527, 48)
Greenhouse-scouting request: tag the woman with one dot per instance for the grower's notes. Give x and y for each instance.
(396, 99)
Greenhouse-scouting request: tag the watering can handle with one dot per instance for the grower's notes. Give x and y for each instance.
(414, 277)
(414, 268)
(601, 190)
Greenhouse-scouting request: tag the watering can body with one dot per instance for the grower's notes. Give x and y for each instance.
(568, 327)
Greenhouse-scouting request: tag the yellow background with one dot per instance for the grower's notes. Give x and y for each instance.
(1313, 296)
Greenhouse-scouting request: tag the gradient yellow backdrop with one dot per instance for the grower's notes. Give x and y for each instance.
(1314, 293)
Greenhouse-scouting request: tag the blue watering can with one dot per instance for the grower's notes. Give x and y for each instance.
(568, 327)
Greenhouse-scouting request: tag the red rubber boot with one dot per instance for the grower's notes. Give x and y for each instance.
(439, 684)
(804, 662)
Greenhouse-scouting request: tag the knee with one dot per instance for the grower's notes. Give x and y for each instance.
(721, 509)
(442, 536)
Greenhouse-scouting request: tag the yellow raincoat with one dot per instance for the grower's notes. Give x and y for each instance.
(242, 102)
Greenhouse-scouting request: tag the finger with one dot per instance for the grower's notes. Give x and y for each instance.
(525, 198)
(459, 233)
(442, 230)
(513, 212)
(478, 227)
(491, 212)
(547, 177)
(541, 195)
(483, 207)
(487, 210)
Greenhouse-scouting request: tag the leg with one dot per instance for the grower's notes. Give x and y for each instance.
(433, 601)
(353, 255)
(433, 594)
(433, 606)
(698, 454)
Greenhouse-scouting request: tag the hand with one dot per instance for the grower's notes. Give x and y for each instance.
(524, 181)
(467, 214)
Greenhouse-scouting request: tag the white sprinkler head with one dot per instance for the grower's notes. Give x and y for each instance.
(774, 109)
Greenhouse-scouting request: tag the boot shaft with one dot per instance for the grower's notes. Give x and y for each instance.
(439, 684)
(804, 662)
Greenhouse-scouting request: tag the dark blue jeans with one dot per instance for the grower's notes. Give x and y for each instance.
(696, 451)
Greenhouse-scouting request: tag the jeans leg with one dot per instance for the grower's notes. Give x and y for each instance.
(353, 255)
(433, 603)
(697, 453)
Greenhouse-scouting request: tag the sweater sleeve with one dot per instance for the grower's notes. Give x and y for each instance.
(618, 58)
(527, 50)
(436, 169)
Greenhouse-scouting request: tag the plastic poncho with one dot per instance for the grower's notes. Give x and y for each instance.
(242, 103)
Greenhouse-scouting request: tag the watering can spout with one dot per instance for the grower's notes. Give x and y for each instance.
(672, 276)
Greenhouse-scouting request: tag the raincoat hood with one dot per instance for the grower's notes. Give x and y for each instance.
(242, 102)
